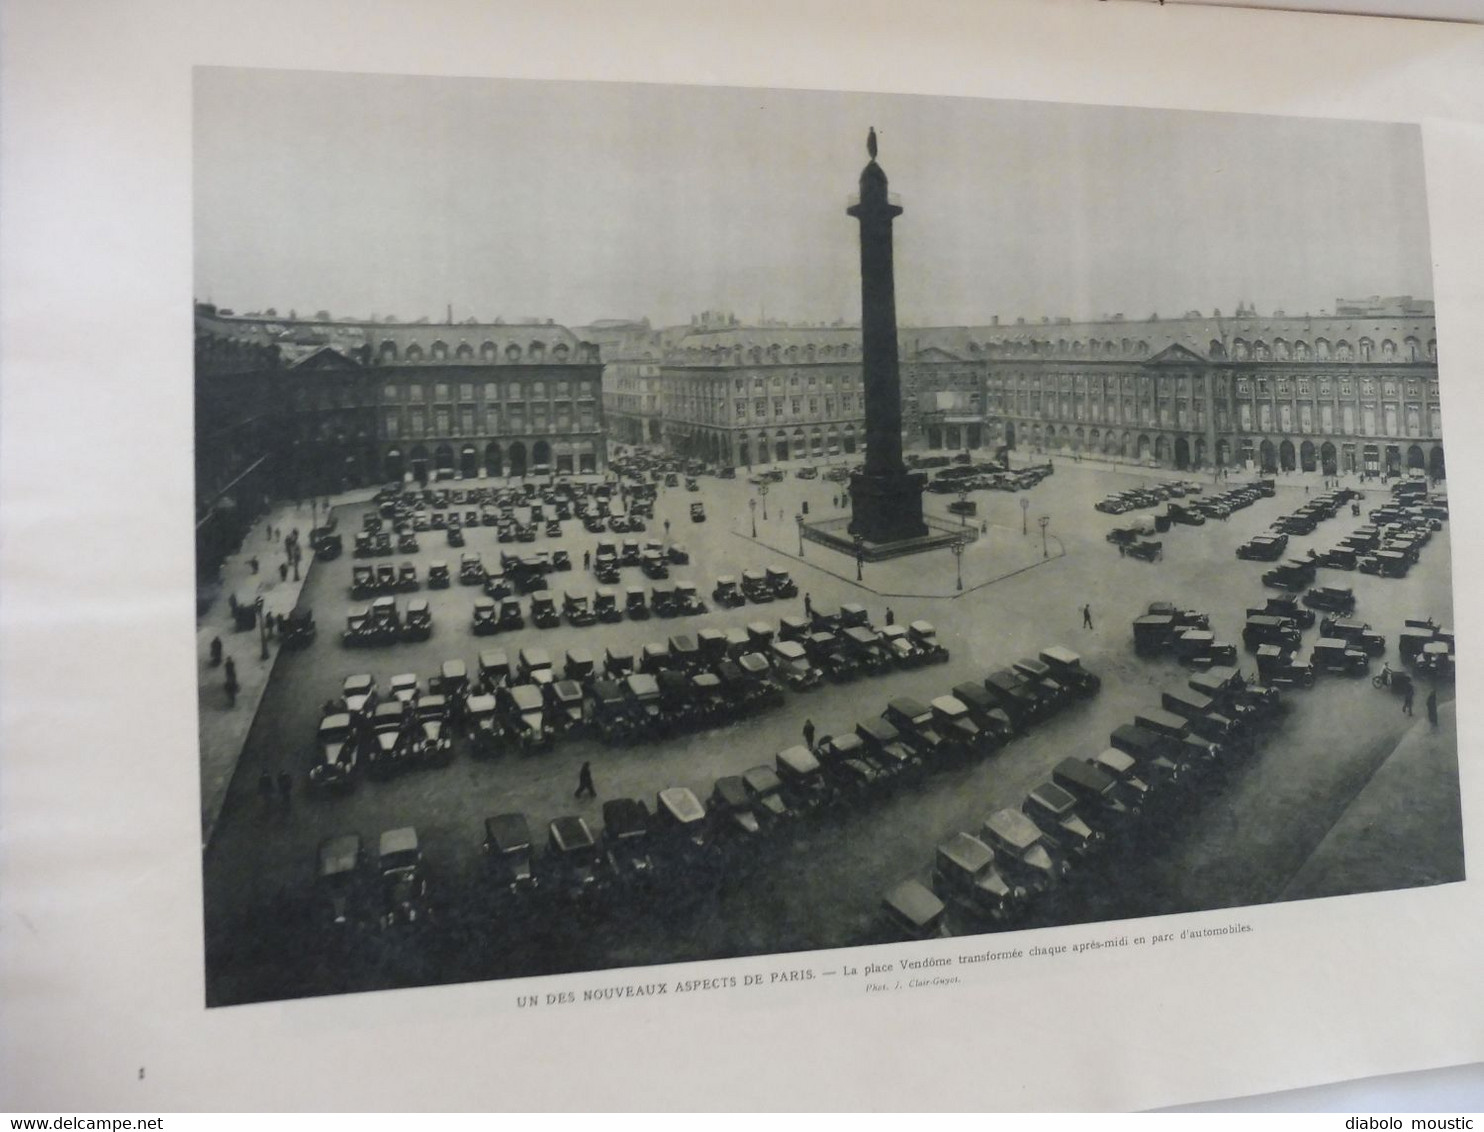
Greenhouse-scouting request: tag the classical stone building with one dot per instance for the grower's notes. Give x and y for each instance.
(632, 353)
(754, 395)
(1351, 391)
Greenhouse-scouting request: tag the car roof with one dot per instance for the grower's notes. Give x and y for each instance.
(1059, 654)
(337, 720)
(914, 902)
(681, 804)
(494, 658)
(761, 778)
(950, 705)
(625, 817)
(799, 759)
(481, 703)
(403, 840)
(508, 831)
(526, 697)
(571, 832)
(906, 705)
(642, 684)
(1014, 828)
(967, 852)
(882, 730)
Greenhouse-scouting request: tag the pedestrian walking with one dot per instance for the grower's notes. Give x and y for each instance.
(230, 684)
(1087, 616)
(285, 787)
(1432, 707)
(283, 571)
(808, 606)
(809, 733)
(232, 604)
(253, 563)
(891, 618)
(1407, 701)
(585, 782)
(587, 559)
(216, 652)
(265, 788)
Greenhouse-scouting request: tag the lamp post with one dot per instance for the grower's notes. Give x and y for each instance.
(262, 629)
(762, 490)
(752, 505)
(860, 557)
(958, 546)
(1044, 520)
(799, 519)
(1025, 506)
(963, 506)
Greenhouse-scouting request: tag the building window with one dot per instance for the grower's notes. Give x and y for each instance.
(440, 391)
(813, 403)
(491, 391)
(466, 391)
(778, 406)
(492, 420)
(391, 424)
(389, 393)
(417, 423)
(1344, 389)
(442, 420)
(415, 391)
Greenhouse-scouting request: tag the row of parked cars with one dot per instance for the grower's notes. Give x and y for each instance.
(1185, 634)
(1022, 858)
(653, 557)
(578, 608)
(384, 622)
(1135, 498)
(686, 833)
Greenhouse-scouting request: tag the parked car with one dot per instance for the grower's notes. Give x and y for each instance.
(914, 912)
(404, 880)
(964, 872)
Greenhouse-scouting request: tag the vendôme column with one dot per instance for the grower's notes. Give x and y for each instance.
(886, 499)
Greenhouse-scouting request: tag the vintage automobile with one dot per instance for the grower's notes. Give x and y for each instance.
(1161, 762)
(866, 649)
(765, 792)
(438, 575)
(522, 713)
(1331, 599)
(955, 722)
(1054, 811)
(730, 809)
(1100, 798)
(993, 721)
(486, 622)
(697, 512)
(362, 581)
(1357, 633)
(1338, 558)
(792, 627)
(1021, 700)
(358, 695)
(804, 785)
(827, 652)
(913, 912)
(435, 743)
(880, 743)
(654, 566)
(1204, 716)
(782, 585)
(1285, 607)
(297, 630)
(533, 666)
(364, 546)
(393, 740)
(791, 663)
(1026, 856)
(1066, 669)
(916, 722)
(564, 703)
(605, 606)
(688, 601)
(339, 881)
(508, 850)
(630, 553)
(453, 682)
(481, 724)
(471, 569)
(608, 712)
(964, 873)
(606, 571)
(684, 653)
(662, 599)
(1147, 550)
(899, 646)
(1195, 750)
(755, 681)
(1284, 668)
(682, 834)
(404, 881)
(1330, 654)
(1384, 564)
(641, 692)
(404, 687)
(575, 863)
(1153, 633)
(1292, 574)
(925, 638)
(618, 662)
(386, 578)
(1264, 548)
(755, 587)
(577, 610)
(1263, 629)
(337, 753)
(654, 657)
(1043, 682)
(544, 613)
(326, 544)
(626, 841)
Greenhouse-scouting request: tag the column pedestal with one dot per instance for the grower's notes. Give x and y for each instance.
(887, 508)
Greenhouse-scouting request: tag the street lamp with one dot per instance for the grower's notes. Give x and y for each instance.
(860, 557)
(262, 629)
(963, 506)
(799, 519)
(763, 491)
(958, 546)
(1044, 520)
(1025, 506)
(752, 504)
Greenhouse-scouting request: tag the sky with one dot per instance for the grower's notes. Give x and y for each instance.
(399, 195)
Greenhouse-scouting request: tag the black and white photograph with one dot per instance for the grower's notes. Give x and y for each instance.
(644, 524)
